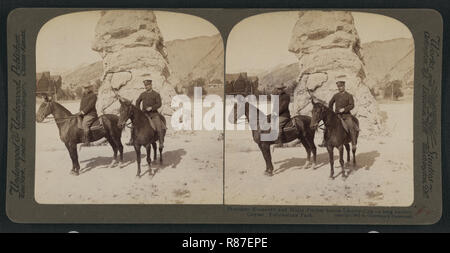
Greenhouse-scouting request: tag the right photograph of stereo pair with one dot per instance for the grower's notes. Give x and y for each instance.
(340, 131)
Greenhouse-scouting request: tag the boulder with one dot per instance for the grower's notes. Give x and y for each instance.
(132, 48)
(327, 46)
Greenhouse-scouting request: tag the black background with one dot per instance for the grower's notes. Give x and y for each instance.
(7, 226)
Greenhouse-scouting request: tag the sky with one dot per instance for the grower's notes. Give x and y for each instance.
(64, 42)
(261, 41)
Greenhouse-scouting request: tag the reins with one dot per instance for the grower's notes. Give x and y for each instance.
(61, 120)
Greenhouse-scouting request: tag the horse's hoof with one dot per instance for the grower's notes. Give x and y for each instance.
(75, 173)
(268, 173)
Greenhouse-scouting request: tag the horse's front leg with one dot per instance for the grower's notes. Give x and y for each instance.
(312, 146)
(354, 152)
(137, 149)
(331, 157)
(314, 151)
(341, 159)
(265, 149)
(72, 148)
(154, 150)
(148, 148)
(347, 148)
(120, 150)
(161, 145)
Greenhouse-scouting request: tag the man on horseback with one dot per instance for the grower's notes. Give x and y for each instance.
(283, 113)
(87, 110)
(344, 104)
(151, 102)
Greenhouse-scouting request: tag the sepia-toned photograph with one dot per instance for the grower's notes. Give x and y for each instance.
(344, 82)
(105, 83)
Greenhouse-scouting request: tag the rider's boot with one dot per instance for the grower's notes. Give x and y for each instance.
(86, 138)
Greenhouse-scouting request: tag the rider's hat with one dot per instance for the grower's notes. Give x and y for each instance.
(147, 82)
(340, 83)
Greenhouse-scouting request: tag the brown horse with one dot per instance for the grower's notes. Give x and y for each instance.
(336, 137)
(300, 130)
(71, 134)
(143, 134)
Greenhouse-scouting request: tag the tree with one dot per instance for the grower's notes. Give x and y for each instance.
(199, 82)
(393, 90)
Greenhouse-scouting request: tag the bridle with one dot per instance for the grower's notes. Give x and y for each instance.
(128, 111)
(320, 126)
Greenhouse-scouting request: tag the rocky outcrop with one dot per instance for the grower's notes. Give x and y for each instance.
(327, 46)
(132, 48)
(198, 57)
(388, 61)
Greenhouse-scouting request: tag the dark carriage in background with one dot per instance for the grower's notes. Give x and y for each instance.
(48, 85)
(241, 84)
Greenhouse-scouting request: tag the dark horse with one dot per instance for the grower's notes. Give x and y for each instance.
(71, 134)
(336, 136)
(143, 133)
(301, 131)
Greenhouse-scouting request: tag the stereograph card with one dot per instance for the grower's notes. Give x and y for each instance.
(258, 116)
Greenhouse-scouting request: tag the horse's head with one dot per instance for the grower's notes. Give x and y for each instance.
(44, 110)
(318, 112)
(125, 112)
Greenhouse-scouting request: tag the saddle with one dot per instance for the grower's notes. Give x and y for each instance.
(97, 125)
(150, 121)
(289, 127)
(161, 118)
(347, 127)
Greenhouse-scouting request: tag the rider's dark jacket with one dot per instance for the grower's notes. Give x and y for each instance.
(87, 104)
(149, 98)
(284, 100)
(342, 100)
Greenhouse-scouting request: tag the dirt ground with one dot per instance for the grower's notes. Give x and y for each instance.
(192, 172)
(383, 175)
